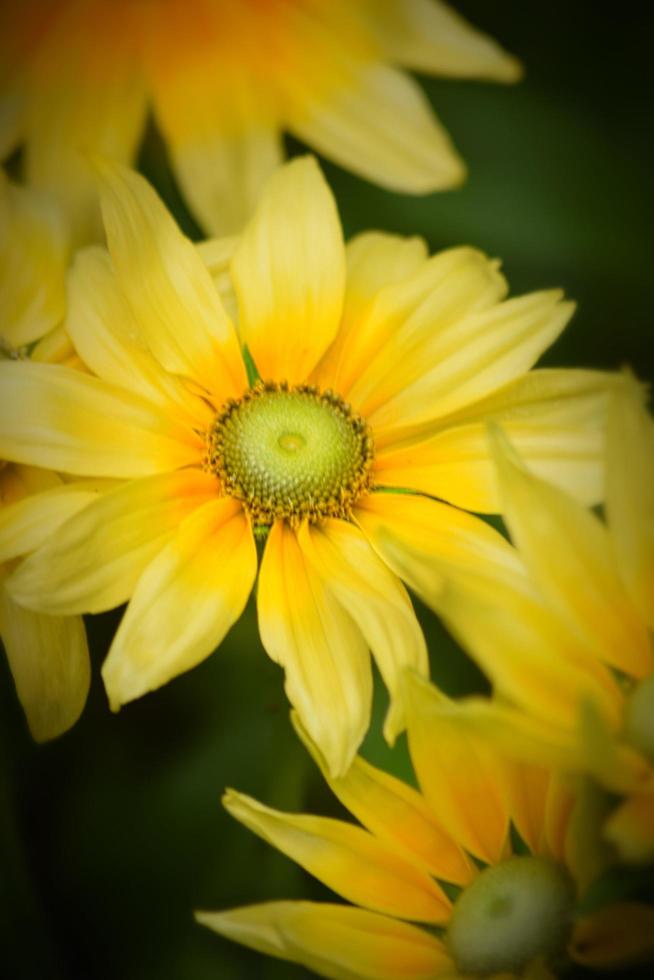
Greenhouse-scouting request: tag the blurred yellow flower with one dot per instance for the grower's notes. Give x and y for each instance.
(515, 901)
(380, 366)
(569, 648)
(224, 78)
(47, 654)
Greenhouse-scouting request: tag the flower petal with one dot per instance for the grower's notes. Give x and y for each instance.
(617, 935)
(95, 559)
(377, 122)
(62, 419)
(101, 326)
(168, 288)
(28, 523)
(184, 603)
(396, 814)
(375, 599)
(323, 653)
(50, 666)
(630, 494)
(430, 37)
(554, 418)
(32, 264)
(630, 828)
(347, 859)
(334, 941)
(465, 361)
(408, 317)
(462, 777)
(289, 273)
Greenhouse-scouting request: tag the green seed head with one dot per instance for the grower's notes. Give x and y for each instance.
(639, 717)
(511, 914)
(291, 452)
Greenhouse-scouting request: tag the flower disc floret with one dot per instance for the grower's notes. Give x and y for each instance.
(291, 452)
(513, 913)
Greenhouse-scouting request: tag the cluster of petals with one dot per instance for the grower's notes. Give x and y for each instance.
(223, 80)
(425, 349)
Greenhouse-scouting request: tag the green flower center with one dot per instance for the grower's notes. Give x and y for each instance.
(639, 717)
(511, 914)
(291, 452)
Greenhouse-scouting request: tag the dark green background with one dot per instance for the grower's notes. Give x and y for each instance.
(112, 835)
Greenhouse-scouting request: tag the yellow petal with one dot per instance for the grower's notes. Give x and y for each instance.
(527, 790)
(374, 260)
(101, 325)
(412, 534)
(397, 815)
(630, 828)
(30, 522)
(91, 99)
(322, 651)
(468, 359)
(568, 553)
(375, 599)
(33, 257)
(62, 419)
(617, 935)
(554, 418)
(96, 558)
(168, 288)
(378, 123)
(402, 331)
(430, 37)
(289, 273)
(184, 603)
(334, 941)
(50, 666)
(462, 777)
(347, 859)
(630, 494)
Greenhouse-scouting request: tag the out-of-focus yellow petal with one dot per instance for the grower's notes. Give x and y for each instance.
(378, 123)
(347, 859)
(374, 261)
(95, 559)
(630, 493)
(630, 828)
(555, 419)
(375, 599)
(323, 652)
(462, 777)
(33, 255)
(184, 603)
(464, 361)
(568, 552)
(88, 96)
(396, 814)
(102, 327)
(430, 37)
(413, 533)
(50, 666)
(55, 417)
(405, 327)
(335, 941)
(289, 273)
(558, 808)
(169, 290)
(617, 935)
(30, 522)
(527, 787)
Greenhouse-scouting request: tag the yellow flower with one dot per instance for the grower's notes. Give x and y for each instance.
(224, 78)
(47, 654)
(380, 367)
(569, 648)
(513, 915)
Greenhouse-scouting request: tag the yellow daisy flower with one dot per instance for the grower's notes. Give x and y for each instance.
(47, 654)
(380, 366)
(514, 910)
(570, 654)
(224, 78)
